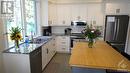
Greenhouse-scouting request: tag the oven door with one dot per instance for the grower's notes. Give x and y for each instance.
(74, 40)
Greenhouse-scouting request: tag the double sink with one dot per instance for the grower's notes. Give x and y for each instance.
(40, 40)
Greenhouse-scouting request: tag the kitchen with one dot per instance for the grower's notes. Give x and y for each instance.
(63, 21)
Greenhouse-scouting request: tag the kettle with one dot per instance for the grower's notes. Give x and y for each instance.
(68, 31)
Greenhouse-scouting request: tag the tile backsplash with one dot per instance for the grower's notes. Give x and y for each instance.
(60, 29)
(75, 29)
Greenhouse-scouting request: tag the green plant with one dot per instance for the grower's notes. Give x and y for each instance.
(16, 35)
(91, 33)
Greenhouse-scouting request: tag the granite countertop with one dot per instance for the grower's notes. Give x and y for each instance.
(30, 47)
(59, 34)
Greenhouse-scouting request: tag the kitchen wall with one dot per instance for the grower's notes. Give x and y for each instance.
(60, 29)
(44, 12)
(2, 44)
(38, 11)
(117, 7)
(2, 41)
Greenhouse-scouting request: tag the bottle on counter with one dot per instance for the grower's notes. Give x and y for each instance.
(26, 39)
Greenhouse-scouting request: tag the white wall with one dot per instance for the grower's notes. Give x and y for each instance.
(2, 45)
(44, 12)
(2, 41)
(112, 5)
(60, 29)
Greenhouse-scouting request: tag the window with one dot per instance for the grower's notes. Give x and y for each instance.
(30, 16)
(15, 20)
(25, 19)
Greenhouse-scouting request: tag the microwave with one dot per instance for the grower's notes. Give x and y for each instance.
(78, 23)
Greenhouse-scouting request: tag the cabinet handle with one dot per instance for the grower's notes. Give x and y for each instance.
(63, 42)
(63, 48)
(63, 37)
(47, 50)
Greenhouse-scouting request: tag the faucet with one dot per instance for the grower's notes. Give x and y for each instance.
(32, 40)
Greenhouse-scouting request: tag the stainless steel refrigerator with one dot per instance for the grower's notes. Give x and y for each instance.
(116, 31)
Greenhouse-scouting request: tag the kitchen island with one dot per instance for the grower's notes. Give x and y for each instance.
(31, 57)
(97, 59)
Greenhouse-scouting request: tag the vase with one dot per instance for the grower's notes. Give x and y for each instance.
(90, 42)
(16, 44)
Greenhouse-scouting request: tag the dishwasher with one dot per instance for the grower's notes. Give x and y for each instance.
(36, 61)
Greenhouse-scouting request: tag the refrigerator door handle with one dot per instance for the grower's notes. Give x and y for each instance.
(118, 27)
(115, 28)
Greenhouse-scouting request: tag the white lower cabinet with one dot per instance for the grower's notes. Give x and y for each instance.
(63, 44)
(44, 57)
(48, 51)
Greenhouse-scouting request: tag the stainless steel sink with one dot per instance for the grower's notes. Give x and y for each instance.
(39, 41)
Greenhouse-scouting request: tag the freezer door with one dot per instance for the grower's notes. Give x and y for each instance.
(121, 31)
(110, 30)
(116, 28)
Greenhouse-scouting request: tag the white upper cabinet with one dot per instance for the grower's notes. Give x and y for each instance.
(52, 14)
(95, 14)
(75, 12)
(78, 12)
(63, 14)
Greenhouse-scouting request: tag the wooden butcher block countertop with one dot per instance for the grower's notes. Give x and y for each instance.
(101, 56)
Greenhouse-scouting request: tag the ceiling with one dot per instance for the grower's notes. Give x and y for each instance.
(74, 1)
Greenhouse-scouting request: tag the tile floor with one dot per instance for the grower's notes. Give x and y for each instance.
(59, 64)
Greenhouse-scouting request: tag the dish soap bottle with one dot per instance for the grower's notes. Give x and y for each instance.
(26, 39)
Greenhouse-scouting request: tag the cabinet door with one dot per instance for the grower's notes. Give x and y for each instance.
(64, 15)
(52, 15)
(83, 12)
(79, 12)
(49, 51)
(95, 15)
(44, 56)
(75, 12)
(53, 46)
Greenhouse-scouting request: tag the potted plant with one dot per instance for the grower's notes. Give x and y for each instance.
(91, 34)
(16, 35)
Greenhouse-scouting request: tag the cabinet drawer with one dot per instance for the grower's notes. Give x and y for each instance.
(62, 37)
(62, 49)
